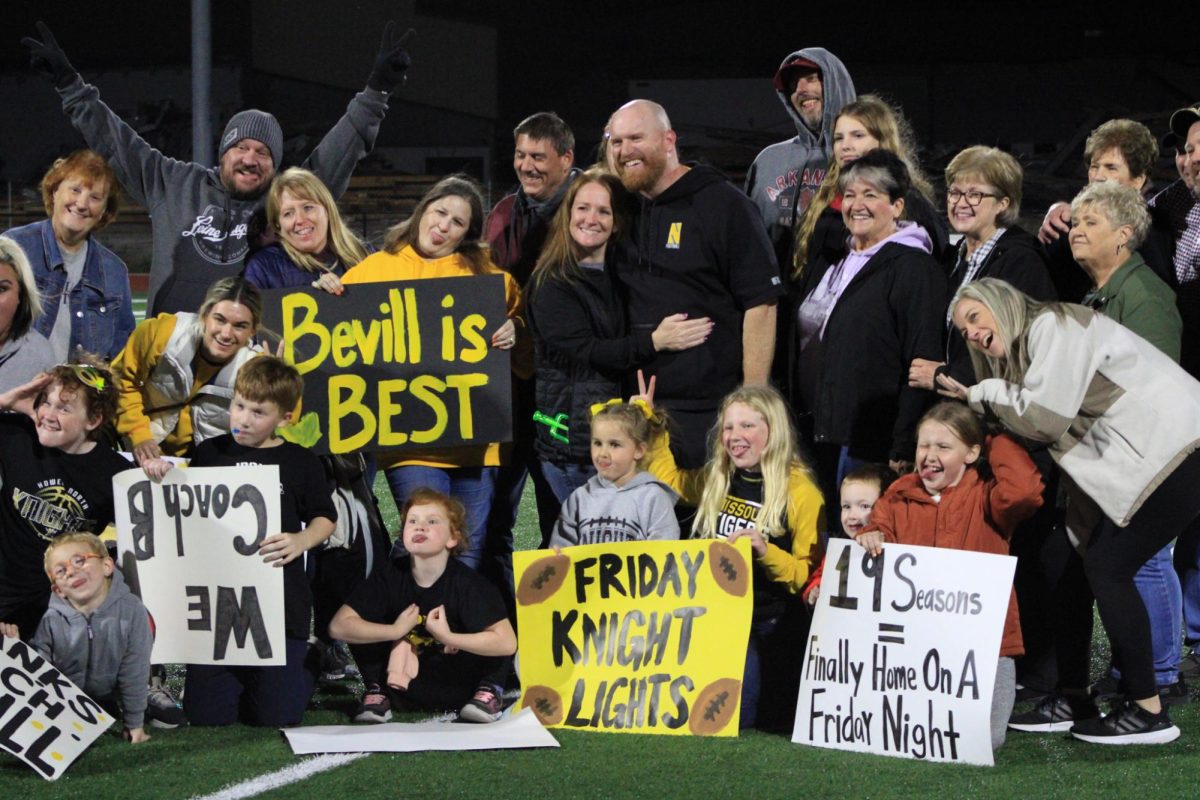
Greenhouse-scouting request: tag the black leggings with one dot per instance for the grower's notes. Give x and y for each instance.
(1115, 554)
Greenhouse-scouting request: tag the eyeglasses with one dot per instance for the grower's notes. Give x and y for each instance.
(77, 561)
(973, 198)
(89, 376)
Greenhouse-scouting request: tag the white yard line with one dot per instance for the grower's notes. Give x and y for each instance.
(294, 773)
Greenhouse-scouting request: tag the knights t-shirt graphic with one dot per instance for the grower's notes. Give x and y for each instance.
(609, 529)
(44, 493)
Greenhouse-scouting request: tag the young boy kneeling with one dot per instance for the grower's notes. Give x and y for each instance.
(441, 628)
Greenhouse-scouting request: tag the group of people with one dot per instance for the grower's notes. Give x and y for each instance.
(813, 341)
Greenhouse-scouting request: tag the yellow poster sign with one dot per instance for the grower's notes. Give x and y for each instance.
(644, 637)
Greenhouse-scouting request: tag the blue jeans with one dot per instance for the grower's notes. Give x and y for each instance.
(567, 478)
(846, 462)
(471, 486)
(1187, 567)
(1158, 585)
(752, 682)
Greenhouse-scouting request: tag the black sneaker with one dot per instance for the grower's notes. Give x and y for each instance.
(484, 707)
(1127, 723)
(1189, 666)
(1106, 689)
(375, 706)
(162, 709)
(1055, 713)
(1028, 694)
(1175, 694)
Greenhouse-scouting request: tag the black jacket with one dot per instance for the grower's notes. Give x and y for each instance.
(582, 355)
(698, 248)
(889, 314)
(1018, 258)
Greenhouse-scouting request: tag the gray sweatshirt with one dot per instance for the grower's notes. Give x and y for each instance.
(199, 230)
(600, 512)
(106, 655)
(785, 176)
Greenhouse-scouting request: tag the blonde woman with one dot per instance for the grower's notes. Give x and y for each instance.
(315, 247)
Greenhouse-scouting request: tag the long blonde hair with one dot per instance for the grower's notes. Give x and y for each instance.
(1014, 311)
(779, 459)
(889, 127)
(341, 242)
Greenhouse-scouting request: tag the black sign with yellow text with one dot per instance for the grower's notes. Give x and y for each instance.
(397, 365)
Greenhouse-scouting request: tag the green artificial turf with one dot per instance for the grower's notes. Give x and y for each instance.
(190, 762)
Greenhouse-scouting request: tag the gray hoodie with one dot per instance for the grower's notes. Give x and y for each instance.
(600, 512)
(200, 232)
(784, 176)
(106, 655)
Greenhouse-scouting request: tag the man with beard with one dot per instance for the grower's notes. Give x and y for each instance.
(813, 86)
(200, 215)
(698, 248)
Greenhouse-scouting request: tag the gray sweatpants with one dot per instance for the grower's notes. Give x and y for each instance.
(1003, 696)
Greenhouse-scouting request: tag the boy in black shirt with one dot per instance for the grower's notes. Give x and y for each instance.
(446, 628)
(268, 696)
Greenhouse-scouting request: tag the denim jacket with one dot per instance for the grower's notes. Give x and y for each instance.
(101, 306)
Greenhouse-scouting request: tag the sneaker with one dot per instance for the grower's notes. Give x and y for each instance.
(336, 664)
(1175, 694)
(1127, 723)
(1189, 666)
(1055, 713)
(1106, 689)
(484, 706)
(162, 709)
(375, 706)
(1027, 694)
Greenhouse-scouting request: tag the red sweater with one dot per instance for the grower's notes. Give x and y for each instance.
(974, 515)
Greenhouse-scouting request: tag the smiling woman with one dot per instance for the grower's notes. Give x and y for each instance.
(84, 285)
(176, 373)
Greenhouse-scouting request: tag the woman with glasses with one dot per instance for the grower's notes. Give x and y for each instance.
(983, 202)
(23, 351)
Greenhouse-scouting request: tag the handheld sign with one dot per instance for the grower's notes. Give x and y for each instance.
(189, 548)
(636, 637)
(902, 653)
(45, 720)
(397, 365)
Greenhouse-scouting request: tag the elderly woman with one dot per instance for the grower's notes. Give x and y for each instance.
(315, 247)
(23, 351)
(84, 285)
(862, 321)
(1101, 397)
(983, 203)
(1120, 151)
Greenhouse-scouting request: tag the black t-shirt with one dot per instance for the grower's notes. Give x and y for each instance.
(472, 604)
(45, 492)
(305, 494)
(741, 507)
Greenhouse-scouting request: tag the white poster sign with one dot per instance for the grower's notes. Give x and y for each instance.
(189, 548)
(45, 720)
(519, 730)
(902, 653)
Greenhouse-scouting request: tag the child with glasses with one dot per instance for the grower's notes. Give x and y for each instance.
(96, 631)
(56, 476)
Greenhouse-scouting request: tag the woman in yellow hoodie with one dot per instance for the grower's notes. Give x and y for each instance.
(442, 240)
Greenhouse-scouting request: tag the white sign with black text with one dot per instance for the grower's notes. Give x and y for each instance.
(902, 653)
(189, 548)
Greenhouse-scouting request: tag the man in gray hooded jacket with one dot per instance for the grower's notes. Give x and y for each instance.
(813, 86)
(200, 215)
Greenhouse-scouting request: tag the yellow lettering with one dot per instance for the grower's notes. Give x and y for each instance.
(367, 341)
(464, 384)
(448, 330)
(413, 326)
(304, 304)
(429, 389)
(399, 350)
(471, 329)
(389, 412)
(343, 345)
(341, 407)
